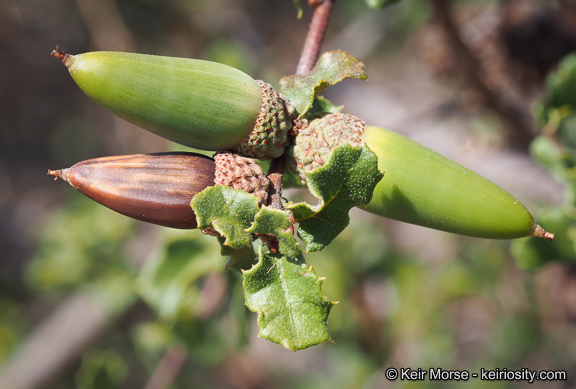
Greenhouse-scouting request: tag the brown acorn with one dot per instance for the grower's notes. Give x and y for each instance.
(155, 188)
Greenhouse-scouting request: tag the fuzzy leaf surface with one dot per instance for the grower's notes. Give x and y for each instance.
(347, 180)
(229, 211)
(271, 221)
(332, 67)
(239, 259)
(286, 294)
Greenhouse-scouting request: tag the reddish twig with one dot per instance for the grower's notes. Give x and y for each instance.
(308, 58)
(275, 175)
(516, 119)
(315, 37)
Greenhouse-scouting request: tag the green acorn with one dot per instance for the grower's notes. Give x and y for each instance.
(155, 188)
(200, 104)
(425, 188)
(419, 186)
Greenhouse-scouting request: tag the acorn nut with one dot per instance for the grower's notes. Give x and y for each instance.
(425, 188)
(200, 104)
(155, 188)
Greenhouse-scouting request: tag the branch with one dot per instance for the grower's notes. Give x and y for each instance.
(315, 37)
(57, 341)
(308, 58)
(275, 175)
(516, 119)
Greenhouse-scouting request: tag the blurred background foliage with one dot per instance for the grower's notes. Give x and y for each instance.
(90, 299)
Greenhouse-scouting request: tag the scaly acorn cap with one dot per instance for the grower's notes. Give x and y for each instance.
(315, 140)
(155, 188)
(270, 135)
(200, 104)
(242, 173)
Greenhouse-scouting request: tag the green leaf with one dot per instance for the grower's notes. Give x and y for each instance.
(166, 281)
(287, 295)
(242, 258)
(376, 4)
(549, 154)
(275, 222)
(298, 4)
(533, 253)
(561, 97)
(228, 211)
(562, 83)
(101, 369)
(322, 106)
(345, 181)
(331, 68)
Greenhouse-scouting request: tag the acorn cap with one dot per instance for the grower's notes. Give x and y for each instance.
(200, 104)
(242, 173)
(315, 140)
(270, 135)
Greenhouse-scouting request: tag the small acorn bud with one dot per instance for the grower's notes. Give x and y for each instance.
(241, 173)
(155, 188)
(316, 139)
(200, 104)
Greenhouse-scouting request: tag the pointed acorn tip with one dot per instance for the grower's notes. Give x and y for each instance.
(60, 173)
(540, 232)
(65, 58)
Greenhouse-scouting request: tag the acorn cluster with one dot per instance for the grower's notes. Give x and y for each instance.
(200, 104)
(211, 106)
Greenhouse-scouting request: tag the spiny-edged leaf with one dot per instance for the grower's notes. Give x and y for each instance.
(347, 180)
(376, 4)
(275, 222)
(165, 282)
(331, 68)
(228, 211)
(242, 258)
(287, 295)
